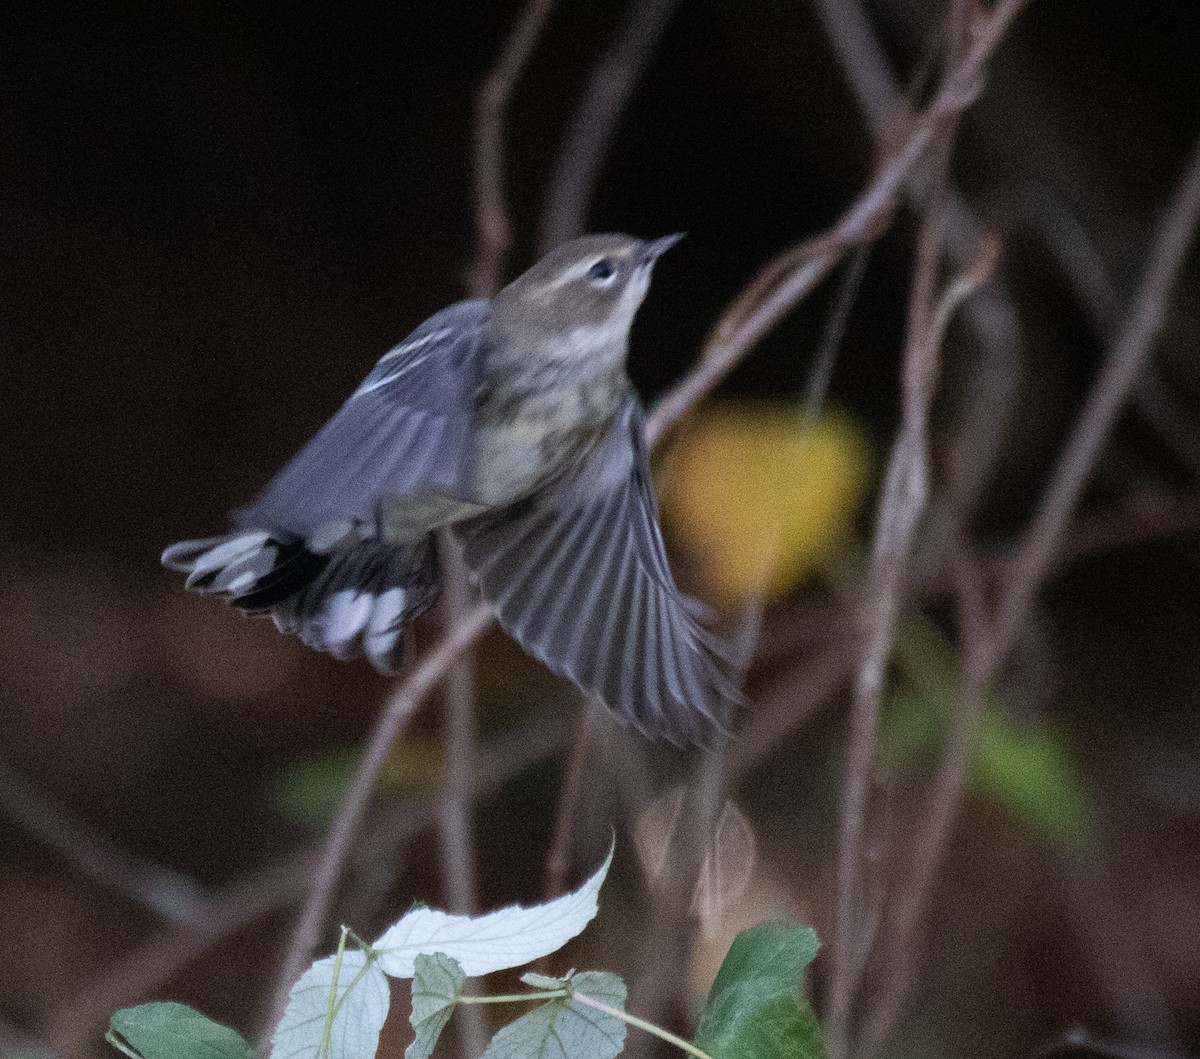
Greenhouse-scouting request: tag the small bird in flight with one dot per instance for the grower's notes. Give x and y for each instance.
(512, 422)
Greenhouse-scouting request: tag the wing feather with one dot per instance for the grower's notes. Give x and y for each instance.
(578, 575)
(405, 430)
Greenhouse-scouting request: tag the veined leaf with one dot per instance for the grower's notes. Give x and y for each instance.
(481, 944)
(756, 1008)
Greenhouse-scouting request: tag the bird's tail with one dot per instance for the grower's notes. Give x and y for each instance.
(351, 602)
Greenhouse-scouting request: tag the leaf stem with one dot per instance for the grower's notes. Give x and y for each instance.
(642, 1024)
(120, 1045)
(513, 998)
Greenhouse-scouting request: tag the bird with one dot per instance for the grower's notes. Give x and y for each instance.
(512, 423)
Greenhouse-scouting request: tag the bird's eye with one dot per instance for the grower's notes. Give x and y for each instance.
(602, 272)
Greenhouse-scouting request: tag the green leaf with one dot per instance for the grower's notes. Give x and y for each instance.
(335, 1010)
(567, 1028)
(308, 791)
(1031, 774)
(756, 1008)
(436, 987)
(173, 1031)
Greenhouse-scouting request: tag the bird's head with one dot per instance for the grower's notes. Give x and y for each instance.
(587, 290)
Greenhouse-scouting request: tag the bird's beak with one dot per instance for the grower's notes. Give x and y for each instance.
(655, 248)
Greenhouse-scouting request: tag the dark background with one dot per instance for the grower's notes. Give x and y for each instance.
(215, 217)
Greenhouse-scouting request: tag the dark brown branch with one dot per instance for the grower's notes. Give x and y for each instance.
(901, 505)
(973, 436)
(613, 80)
(455, 821)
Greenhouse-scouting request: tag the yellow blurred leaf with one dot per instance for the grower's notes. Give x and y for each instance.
(761, 495)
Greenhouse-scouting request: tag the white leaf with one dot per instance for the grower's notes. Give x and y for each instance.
(567, 1028)
(437, 987)
(482, 944)
(361, 1006)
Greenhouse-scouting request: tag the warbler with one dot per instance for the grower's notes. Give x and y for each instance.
(512, 422)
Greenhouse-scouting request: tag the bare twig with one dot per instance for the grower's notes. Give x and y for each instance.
(613, 80)
(901, 506)
(169, 894)
(493, 230)
(397, 712)
(835, 331)
(455, 823)
(790, 277)
(558, 859)
(973, 437)
(1173, 236)
(942, 807)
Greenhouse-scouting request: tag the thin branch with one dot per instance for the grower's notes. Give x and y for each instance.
(1134, 344)
(943, 802)
(155, 960)
(401, 704)
(793, 275)
(167, 893)
(972, 439)
(1035, 557)
(835, 332)
(455, 820)
(613, 80)
(493, 229)
(901, 506)
(558, 859)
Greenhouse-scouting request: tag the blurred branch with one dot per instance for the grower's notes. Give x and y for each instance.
(455, 822)
(1075, 252)
(558, 859)
(977, 429)
(613, 80)
(1173, 236)
(147, 884)
(493, 229)
(835, 331)
(1134, 343)
(783, 282)
(156, 960)
(401, 704)
(901, 506)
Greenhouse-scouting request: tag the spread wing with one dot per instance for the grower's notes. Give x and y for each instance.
(405, 431)
(579, 577)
